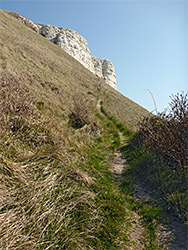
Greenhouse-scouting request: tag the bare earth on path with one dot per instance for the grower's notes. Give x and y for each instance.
(173, 236)
(135, 231)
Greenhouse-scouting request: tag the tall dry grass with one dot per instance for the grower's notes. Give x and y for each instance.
(45, 201)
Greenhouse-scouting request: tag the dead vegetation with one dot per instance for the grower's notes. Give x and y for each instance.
(163, 152)
(80, 114)
(52, 76)
(167, 133)
(55, 188)
(41, 196)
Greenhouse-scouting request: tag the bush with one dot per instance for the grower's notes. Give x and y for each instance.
(161, 154)
(80, 112)
(167, 133)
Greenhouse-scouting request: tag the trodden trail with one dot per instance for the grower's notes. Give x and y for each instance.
(171, 235)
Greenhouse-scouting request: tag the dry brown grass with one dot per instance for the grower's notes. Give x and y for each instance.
(42, 194)
(19, 116)
(53, 76)
(37, 214)
(46, 178)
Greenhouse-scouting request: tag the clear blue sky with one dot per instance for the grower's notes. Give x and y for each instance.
(146, 40)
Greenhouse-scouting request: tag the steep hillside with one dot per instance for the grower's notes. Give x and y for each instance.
(59, 128)
(52, 76)
(73, 175)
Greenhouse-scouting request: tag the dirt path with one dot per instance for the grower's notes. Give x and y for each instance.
(99, 105)
(136, 230)
(118, 166)
(173, 236)
(119, 162)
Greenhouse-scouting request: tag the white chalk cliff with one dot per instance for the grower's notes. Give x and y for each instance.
(105, 69)
(76, 46)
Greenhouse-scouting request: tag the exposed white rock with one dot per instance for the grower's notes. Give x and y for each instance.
(109, 73)
(97, 62)
(105, 69)
(76, 46)
(49, 31)
(34, 26)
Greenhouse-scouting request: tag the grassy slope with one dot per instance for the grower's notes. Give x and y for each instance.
(53, 76)
(56, 190)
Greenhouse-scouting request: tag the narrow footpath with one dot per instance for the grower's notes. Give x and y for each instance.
(171, 236)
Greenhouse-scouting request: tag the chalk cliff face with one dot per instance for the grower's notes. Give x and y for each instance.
(34, 26)
(76, 46)
(105, 69)
(49, 31)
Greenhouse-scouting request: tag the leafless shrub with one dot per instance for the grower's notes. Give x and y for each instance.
(167, 133)
(80, 112)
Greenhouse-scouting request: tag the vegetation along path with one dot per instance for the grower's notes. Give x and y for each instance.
(147, 229)
(72, 175)
(168, 236)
